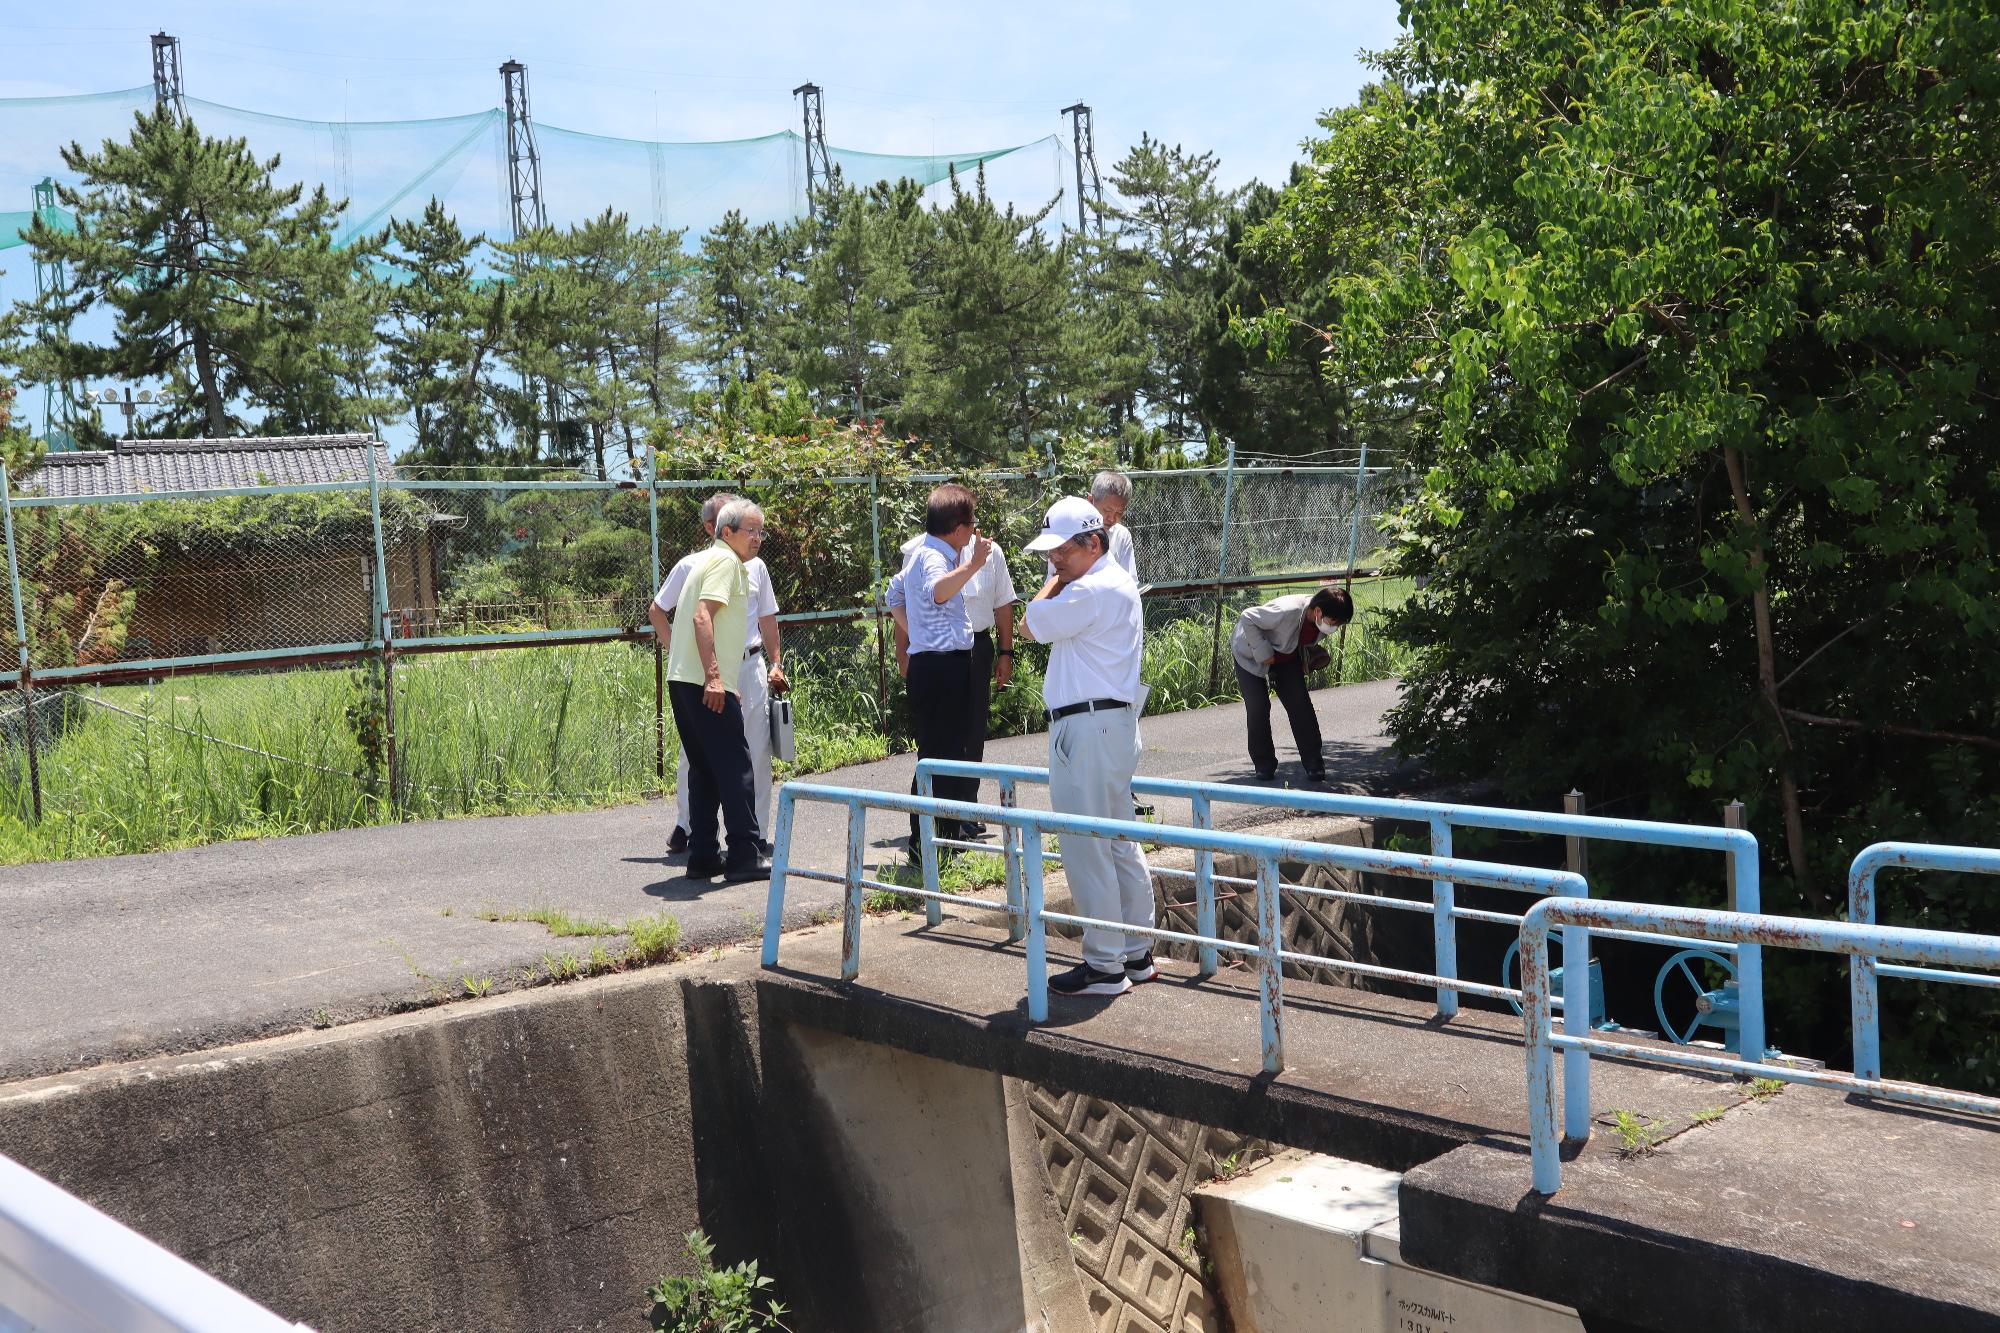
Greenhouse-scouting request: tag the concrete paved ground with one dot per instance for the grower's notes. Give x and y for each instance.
(1803, 1210)
(175, 951)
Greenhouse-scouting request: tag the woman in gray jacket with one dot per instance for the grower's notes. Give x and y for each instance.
(1273, 645)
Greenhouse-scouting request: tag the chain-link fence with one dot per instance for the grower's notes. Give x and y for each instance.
(284, 658)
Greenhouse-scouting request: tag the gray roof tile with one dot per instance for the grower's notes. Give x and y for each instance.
(180, 465)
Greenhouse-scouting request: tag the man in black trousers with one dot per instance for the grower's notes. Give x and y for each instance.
(939, 678)
(715, 606)
(1272, 645)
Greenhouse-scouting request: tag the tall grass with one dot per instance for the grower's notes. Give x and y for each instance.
(207, 758)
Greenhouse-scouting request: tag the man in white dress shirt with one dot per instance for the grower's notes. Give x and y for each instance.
(989, 606)
(758, 676)
(940, 566)
(1110, 493)
(1089, 615)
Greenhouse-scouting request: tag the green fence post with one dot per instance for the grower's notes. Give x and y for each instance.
(659, 658)
(875, 598)
(1222, 572)
(383, 631)
(1353, 553)
(21, 638)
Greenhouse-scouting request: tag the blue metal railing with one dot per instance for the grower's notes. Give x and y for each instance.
(1440, 817)
(1857, 940)
(70, 1266)
(1863, 995)
(1028, 911)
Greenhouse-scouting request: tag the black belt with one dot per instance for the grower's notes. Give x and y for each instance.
(1088, 706)
(752, 651)
(944, 652)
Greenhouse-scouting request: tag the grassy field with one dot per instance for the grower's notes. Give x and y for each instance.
(201, 759)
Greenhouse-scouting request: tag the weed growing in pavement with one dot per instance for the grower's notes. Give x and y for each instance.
(652, 939)
(1637, 1135)
(559, 922)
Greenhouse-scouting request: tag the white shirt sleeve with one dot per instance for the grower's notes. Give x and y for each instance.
(893, 598)
(1063, 616)
(1003, 580)
(1122, 552)
(766, 599)
(669, 596)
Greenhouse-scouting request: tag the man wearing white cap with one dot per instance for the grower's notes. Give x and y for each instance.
(1088, 613)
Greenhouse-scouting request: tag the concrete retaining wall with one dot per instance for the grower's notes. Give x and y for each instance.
(533, 1161)
(524, 1162)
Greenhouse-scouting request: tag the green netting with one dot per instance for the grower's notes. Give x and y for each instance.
(390, 168)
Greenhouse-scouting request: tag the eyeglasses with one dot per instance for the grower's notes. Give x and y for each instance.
(754, 532)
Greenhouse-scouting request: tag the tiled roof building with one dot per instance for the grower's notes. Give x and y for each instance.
(136, 466)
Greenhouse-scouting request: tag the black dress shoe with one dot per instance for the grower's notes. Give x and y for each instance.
(749, 870)
(707, 868)
(764, 845)
(677, 841)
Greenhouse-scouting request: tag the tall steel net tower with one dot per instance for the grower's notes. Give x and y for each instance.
(167, 90)
(1084, 137)
(819, 167)
(524, 163)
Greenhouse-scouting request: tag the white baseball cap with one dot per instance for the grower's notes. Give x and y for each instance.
(1068, 517)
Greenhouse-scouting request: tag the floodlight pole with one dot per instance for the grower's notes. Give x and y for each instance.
(819, 166)
(167, 90)
(524, 163)
(1083, 137)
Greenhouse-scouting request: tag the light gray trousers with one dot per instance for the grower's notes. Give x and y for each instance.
(1092, 757)
(754, 693)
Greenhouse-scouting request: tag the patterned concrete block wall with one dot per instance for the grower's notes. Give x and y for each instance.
(1122, 1178)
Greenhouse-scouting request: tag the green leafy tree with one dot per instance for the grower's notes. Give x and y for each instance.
(1276, 400)
(1367, 207)
(218, 280)
(1710, 501)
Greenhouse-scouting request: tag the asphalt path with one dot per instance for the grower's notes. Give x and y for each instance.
(120, 957)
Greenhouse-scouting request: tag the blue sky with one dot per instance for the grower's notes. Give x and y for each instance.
(1245, 81)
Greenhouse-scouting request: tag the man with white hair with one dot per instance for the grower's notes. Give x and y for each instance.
(714, 612)
(760, 675)
(1110, 493)
(1089, 615)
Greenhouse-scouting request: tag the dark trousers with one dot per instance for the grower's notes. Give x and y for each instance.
(718, 776)
(940, 689)
(982, 699)
(1288, 681)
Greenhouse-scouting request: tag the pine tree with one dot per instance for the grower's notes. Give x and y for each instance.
(985, 343)
(1170, 230)
(440, 337)
(219, 280)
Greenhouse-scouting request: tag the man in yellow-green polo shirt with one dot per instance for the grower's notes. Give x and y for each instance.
(701, 684)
